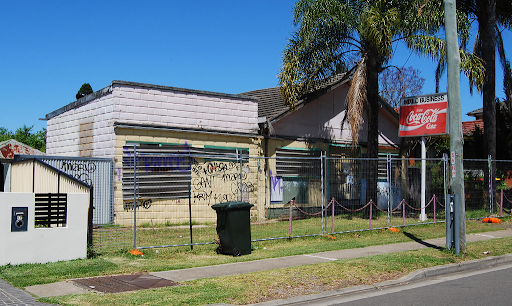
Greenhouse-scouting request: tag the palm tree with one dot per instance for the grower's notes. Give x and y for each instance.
(329, 32)
(492, 16)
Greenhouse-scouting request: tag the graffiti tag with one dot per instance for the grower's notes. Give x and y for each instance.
(80, 170)
(141, 203)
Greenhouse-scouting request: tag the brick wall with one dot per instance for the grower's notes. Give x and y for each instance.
(88, 129)
(160, 211)
(141, 105)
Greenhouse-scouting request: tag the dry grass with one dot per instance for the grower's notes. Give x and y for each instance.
(283, 283)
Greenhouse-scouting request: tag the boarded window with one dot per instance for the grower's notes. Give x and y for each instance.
(299, 172)
(165, 171)
(298, 163)
(50, 209)
(345, 171)
(383, 165)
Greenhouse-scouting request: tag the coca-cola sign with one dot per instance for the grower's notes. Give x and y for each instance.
(424, 115)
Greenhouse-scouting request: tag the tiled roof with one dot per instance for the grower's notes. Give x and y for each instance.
(476, 112)
(271, 103)
(11, 147)
(469, 127)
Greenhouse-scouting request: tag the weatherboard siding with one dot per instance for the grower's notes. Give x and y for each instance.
(324, 118)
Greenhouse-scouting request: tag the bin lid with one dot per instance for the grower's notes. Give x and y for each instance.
(232, 205)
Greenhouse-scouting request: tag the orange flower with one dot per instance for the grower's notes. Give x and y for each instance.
(394, 230)
(491, 220)
(136, 252)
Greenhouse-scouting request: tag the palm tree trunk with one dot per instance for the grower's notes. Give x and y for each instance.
(373, 130)
(487, 28)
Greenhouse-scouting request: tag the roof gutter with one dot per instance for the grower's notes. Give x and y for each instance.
(184, 130)
(82, 101)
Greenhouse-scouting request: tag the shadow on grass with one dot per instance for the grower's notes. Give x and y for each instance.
(428, 245)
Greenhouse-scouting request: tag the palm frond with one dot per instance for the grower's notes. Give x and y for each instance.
(319, 47)
(379, 26)
(504, 13)
(426, 17)
(440, 69)
(426, 45)
(477, 51)
(507, 85)
(473, 68)
(355, 100)
(501, 48)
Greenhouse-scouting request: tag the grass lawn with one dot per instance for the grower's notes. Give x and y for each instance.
(162, 259)
(256, 287)
(282, 283)
(149, 235)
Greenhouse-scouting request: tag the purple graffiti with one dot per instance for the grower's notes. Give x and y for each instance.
(277, 183)
(179, 161)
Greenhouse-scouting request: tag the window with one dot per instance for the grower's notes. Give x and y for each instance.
(297, 163)
(164, 171)
(50, 209)
(298, 176)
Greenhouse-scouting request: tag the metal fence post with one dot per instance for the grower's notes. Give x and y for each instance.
(332, 226)
(90, 243)
(445, 175)
(435, 200)
(134, 196)
(371, 207)
(190, 215)
(322, 160)
(239, 177)
(290, 218)
(491, 181)
(501, 204)
(403, 212)
(388, 178)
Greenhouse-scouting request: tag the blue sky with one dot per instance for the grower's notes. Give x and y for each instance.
(50, 48)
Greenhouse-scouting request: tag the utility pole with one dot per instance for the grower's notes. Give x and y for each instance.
(456, 137)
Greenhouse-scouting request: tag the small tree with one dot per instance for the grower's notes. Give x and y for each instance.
(398, 83)
(24, 135)
(5, 134)
(84, 91)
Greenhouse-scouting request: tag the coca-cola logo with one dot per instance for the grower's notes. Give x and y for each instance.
(427, 117)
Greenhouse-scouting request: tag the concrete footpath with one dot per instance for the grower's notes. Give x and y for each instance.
(70, 287)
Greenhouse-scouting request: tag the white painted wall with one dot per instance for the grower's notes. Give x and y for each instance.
(388, 129)
(195, 110)
(41, 245)
(323, 118)
(88, 130)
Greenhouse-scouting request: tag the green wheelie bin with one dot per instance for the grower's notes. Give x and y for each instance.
(234, 227)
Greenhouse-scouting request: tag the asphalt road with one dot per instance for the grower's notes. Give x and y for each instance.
(490, 286)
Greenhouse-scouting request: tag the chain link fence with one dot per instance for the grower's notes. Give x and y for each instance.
(168, 196)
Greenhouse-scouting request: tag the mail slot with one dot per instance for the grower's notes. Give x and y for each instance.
(19, 219)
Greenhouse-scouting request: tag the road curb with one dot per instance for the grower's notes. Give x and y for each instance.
(454, 268)
(312, 297)
(411, 277)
